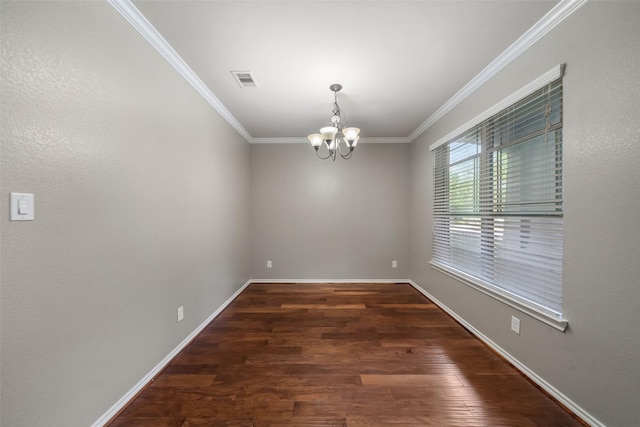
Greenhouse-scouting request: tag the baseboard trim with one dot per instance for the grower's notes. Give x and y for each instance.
(535, 378)
(120, 404)
(329, 281)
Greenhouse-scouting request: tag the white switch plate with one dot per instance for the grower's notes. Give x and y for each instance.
(22, 207)
(269, 264)
(515, 325)
(394, 264)
(180, 313)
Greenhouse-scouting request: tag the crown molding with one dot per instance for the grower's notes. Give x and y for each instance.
(280, 140)
(137, 20)
(548, 22)
(554, 17)
(385, 140)
(304, 140)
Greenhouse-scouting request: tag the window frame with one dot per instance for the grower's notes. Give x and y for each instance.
(519, 303)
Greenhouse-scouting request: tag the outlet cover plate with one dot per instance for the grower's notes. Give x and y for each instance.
(515, 325)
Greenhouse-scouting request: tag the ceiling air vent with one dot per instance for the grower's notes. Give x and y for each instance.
(244, 78)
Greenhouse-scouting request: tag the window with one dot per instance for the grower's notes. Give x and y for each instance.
(497, 216)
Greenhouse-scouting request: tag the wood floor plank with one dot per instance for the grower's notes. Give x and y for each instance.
(212, 422)
(331, 354)
(186, 380)
(325, 306)
(437, 380)
(301, 422)
(420, 306)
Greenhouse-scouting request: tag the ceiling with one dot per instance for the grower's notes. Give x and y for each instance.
(398, 61)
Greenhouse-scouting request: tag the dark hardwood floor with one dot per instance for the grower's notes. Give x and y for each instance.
(353, 355)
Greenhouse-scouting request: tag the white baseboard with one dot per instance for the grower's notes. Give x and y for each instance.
(106, 417)
(541, 382)
(329, 281)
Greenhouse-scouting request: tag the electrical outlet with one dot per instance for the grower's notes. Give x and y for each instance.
(269, 264)
(515, 325)
(180, 313)
(394, 264)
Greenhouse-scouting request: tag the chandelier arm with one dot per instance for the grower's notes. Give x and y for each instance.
(348, 156)
(344, 156)
(320, 157)
(331, 154)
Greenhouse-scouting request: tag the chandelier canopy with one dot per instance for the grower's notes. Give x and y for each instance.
(329, 133)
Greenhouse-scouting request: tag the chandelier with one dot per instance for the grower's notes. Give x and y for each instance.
(329, 134)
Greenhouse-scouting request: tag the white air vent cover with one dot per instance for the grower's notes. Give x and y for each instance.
(244, 78)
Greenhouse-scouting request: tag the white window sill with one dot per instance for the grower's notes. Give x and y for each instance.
(547, 318)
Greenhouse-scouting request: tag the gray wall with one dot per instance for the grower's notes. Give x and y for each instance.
(596, 362)
(142, 201)
(329, 220)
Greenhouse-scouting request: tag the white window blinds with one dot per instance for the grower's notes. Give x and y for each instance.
(497, 217)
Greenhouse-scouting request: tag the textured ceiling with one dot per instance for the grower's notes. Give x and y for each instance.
(399, 61)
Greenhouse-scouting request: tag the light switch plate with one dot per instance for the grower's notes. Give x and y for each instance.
(22, 207)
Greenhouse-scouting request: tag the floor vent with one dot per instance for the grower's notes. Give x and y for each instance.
(244, 78)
